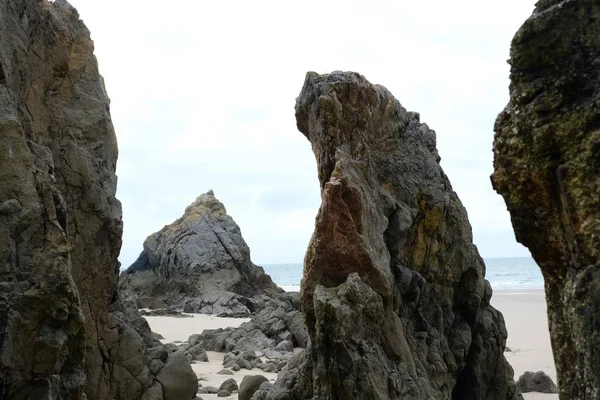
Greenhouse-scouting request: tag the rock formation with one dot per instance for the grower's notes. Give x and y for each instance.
(393, 291)
(547, 168)
(64, 333)
(199, 263)
(274, 331)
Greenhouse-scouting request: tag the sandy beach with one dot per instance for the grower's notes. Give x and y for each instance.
(524, 312)
(528, 337)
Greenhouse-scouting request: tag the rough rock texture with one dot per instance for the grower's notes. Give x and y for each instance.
(393, 291)
(547, 168)
(64, 333)
(250, 385)
(177, 378)
(536, 382)
(199, 263)
(280, 321)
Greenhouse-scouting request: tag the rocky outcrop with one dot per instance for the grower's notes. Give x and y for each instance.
(273, 332)
(547, 168)
(536, 382)
(393, 291)
(64, 333)
(199, 263)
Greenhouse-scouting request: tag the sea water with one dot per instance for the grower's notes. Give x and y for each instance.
(503, 274)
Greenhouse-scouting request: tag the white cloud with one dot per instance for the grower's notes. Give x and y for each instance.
(203, 97)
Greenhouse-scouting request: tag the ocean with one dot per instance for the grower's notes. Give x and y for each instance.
(503, 274)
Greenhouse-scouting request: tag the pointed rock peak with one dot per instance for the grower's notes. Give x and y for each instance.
(206, 203)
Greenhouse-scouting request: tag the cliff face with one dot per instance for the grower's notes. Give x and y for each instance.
(393, 291)
(63, 331)
(547, 168)
(199, 263)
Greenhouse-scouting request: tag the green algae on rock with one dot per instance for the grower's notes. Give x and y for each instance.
(547, 168)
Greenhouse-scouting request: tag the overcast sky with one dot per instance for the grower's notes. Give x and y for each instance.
(203, 92)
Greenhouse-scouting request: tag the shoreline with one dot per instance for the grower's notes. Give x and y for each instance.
(524, 313)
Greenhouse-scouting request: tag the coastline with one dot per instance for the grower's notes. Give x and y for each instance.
(524, 312)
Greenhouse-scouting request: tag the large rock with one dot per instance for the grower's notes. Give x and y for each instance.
(547, 168)
(278, 322)
(64, 333)
(536, 382)
(177, 378)
(200, 263)
(250, 385)
(393, 292)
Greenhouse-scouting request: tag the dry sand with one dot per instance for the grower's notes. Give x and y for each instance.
(524, 312)
(179, 329)
(528, 337)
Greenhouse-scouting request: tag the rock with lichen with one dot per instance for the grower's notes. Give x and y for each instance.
(64, 332)
(394, 290)
(547, 168)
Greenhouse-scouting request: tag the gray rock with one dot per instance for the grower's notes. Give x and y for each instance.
(208, 390)
(284, 346)
(394, 292)
(225, 372)
(279, 321)
(177, 378)
(65, 331)
(229, 385)
(247, 360)
(546, 167)
(200, 263)
(268, 367)
(196, 353)
(223, 393)
(250, 384)
(536, 382)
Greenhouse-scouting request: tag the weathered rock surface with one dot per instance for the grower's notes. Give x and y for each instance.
(250, 385)
(177, 378)
(64, 333)
(536, 382)
(547, 168)
(393, 291)
(279, 321)
(199, 263)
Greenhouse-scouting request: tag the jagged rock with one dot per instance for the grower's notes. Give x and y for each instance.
(64, 331)
(536, 382)
(393, 290)
(230, 385)
(547, 168)
(250, 385)
(200, 263)
(279, 321)
(246, 359)
(284, 346)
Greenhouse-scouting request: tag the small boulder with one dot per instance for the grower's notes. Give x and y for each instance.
(250, 384)
(177, 378)
(225, 371)
(223, 393)
(196, 353)
(285, 346)
(208, 390)
(536, 382)
(229, 385)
